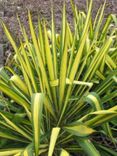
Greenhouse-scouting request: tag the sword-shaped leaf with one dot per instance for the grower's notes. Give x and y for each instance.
(53, 139)
(37, 107)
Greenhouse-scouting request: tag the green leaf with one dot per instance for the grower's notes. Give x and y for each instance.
(39, 57)
(53, 139)
(37, 106)
(19, 83)
(64, 153)
(9, 152)
(11, 137)
(63, 72)
(93, 99)
(88, 147)
(102, 118)
(79, 129)
(15, 127)
(12, 94)
(28, 151)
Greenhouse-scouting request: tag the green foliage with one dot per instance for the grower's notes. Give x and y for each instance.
(61, 88)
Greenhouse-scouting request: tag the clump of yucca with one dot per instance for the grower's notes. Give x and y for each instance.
(60, 89)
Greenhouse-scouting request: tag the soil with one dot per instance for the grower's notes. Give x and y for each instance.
(9, 9)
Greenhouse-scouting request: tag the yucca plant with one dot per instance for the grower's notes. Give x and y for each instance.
(59, 93)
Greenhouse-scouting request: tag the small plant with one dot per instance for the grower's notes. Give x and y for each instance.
(59, 93)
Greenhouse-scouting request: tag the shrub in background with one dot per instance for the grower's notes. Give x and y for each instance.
(60, 91)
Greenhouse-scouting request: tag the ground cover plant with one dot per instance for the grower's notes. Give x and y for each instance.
(59, 93)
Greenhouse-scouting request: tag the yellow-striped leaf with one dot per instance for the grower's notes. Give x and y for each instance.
(37, 105)
(64, 153)
(53, 139)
